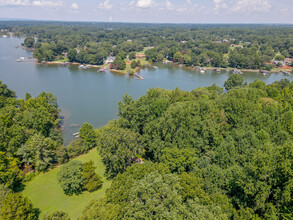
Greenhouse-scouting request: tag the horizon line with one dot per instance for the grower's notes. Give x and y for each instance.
(130, 22)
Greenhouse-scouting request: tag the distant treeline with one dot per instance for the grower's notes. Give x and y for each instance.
(236, 46)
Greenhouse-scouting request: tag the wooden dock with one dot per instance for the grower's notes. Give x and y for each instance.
(138, 76)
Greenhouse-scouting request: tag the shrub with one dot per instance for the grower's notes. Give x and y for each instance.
(58, 215)
(70, 177)
(92, 181)
(77, 147)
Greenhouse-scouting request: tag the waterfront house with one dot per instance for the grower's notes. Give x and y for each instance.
(110, 59)
(282, 63)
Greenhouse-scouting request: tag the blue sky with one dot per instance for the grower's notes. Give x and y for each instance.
(157, 11)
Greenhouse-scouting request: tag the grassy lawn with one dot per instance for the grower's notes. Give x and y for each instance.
(232, 47)
(46, 194)
(128, 67)
(62, 60)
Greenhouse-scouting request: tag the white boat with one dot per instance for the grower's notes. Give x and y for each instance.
(87, 66)
(202, 70)
(76, 134)
(236, 71)
(81, 66)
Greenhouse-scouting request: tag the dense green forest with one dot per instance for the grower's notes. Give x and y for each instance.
(234, 46)
(211, 153)
(206, 154)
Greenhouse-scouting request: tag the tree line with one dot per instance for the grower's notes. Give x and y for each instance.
(235, 46)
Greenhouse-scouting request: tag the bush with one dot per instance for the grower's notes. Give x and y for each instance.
(62, 154)
(132, 55)
(92, 181)
(4, 191)
(77, 147)
(58, 215)
(138, 63)
(133, 64)
(131, 72)
(280, 58)
(28, 177)
(70, 177)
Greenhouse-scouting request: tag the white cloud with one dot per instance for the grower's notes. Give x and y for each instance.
(145, 3)
(218, 4)
(181, 10)
(74, 6)
(106, 5)
(14, 2)
(50, 4)
(169, 5)
(251, 5)
(188, 2)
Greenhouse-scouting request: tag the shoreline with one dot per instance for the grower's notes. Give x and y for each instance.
(92, 66)
(228, 68)
(170, 62)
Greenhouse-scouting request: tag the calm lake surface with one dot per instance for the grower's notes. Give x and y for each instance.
(89, 96)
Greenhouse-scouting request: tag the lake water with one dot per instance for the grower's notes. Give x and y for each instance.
(89, 96)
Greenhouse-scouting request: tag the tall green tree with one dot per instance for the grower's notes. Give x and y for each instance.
(235, 80)
(70, 177)
(92, 181)
(71, 55)
(29, 42)
(118, 148)
(132, 55)
(15, 206)
(87, 134)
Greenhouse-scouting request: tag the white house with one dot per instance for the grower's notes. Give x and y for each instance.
(110, 59)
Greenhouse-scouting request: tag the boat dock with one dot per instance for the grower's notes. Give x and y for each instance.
(286, 73)
(138, 76)
(76, 134)
(26, 59)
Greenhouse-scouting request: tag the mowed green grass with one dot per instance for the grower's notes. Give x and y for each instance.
(46, 194)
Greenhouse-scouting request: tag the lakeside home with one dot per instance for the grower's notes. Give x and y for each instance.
(110, 59)
(282, 63)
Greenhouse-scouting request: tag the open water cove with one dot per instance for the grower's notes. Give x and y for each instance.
(89, 96)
